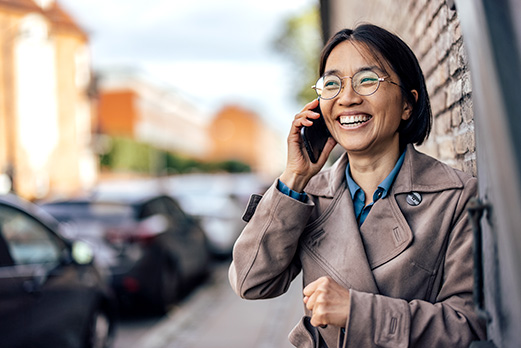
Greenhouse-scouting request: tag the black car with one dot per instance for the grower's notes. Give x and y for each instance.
(51, 294)
(150, 248)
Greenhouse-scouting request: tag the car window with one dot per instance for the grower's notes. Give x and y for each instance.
(28, 241)
(153, 207)
(107, 212)
(174, 210)
(166, 208)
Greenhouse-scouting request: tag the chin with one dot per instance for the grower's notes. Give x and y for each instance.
(350, 145)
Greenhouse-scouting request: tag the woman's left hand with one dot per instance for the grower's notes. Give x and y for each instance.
(329, 302)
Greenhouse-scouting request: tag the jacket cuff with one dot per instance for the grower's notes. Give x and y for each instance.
(390, 318)
(282, 187)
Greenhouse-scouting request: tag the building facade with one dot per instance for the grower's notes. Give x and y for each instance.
(45, 106)
(133, 106)
(240, 134)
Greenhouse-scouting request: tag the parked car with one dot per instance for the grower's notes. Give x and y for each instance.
(152, 251)
(219, 201)
(220, 216)
(51, 294)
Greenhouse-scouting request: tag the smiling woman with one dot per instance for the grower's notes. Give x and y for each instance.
(381, 112)
(382, 237)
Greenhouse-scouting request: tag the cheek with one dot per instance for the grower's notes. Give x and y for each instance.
(392, 111)
(327, 112)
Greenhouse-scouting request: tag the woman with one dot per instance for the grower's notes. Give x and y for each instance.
(382, 237)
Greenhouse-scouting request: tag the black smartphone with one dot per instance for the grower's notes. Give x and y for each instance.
(315, 137)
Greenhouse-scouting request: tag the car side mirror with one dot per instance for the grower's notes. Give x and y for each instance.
(82, 253)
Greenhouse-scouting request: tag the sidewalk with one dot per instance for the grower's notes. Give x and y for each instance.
(214, 316)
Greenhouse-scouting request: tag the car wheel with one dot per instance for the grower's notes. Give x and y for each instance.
(169, 286)
(99, 331)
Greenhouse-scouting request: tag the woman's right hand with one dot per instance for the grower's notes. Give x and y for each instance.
(299, 169)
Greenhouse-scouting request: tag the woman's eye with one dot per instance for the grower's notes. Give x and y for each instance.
(368, 81)
(331, 84)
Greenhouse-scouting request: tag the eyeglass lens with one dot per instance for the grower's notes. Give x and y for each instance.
(364, 82)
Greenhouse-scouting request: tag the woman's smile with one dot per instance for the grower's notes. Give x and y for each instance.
(354, 120)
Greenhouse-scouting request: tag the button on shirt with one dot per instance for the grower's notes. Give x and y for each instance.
(358, 195)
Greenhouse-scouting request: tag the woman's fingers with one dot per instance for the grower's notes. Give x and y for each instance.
(299, 169)
(328, 301)
(330, 144)
(306, 116)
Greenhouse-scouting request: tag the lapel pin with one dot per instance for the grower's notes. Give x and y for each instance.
(414, 198)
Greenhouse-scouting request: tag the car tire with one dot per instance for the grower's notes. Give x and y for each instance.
(99, 331)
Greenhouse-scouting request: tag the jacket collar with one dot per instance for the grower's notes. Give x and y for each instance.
(423, 173)
(419, 172)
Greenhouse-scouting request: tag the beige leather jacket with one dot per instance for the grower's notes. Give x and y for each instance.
(408, 268)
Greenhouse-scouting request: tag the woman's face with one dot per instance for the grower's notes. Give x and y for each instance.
(365, 125)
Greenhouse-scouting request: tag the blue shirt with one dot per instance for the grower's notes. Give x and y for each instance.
(357, 194)
(303, 197)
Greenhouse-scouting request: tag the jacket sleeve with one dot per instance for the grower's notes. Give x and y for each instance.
(450, 321)
(264, 256)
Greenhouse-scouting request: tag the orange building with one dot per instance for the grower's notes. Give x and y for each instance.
(132, 105)
(45, 108)
(240, 134)
(117, 112)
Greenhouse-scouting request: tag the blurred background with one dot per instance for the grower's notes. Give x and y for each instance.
(143, 128)
(93, 90)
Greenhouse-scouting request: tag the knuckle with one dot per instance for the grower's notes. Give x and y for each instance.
(327, 280)
(321, 297)
(319, 319)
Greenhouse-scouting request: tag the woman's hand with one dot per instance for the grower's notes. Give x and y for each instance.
(299, 169)
(329, 302)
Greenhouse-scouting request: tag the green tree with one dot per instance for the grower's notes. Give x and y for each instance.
(301, 41)
(127, 155)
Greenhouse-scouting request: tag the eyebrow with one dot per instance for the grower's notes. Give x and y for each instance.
(364, 68)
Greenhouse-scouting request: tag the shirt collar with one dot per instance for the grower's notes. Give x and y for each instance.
(385, 185)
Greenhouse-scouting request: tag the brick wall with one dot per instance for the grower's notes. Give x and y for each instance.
(432, 29)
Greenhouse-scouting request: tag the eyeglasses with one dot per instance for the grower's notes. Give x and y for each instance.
(364, 83)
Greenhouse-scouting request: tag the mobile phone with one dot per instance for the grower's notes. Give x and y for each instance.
(315, 137)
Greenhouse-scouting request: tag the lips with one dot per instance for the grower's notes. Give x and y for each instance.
(354, 120)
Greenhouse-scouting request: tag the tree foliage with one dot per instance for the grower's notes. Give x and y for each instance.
(127, 155)
(301, 41)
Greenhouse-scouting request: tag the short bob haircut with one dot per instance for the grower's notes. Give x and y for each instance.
(404, 63)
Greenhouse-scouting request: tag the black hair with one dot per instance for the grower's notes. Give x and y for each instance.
(404, 63)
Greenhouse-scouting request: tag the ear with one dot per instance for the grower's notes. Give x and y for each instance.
(407, 107)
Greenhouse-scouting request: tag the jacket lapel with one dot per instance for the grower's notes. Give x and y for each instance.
(385, 232)
(422, 173)
(342, 254)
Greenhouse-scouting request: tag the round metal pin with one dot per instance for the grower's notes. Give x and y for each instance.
(414, 198)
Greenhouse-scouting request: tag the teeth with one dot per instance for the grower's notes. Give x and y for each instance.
(353, 120)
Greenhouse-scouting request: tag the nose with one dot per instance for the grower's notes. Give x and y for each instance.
(347, 95)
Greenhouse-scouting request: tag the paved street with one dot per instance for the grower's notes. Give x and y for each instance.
(213, 316)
